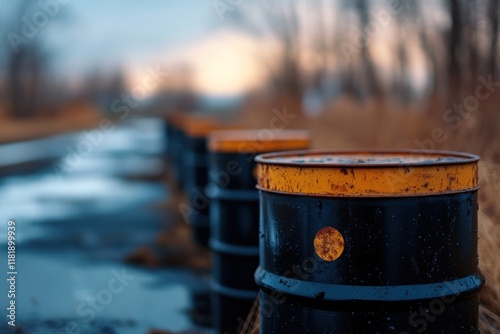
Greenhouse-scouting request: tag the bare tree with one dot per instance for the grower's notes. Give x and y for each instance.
(24, 71)
(493, 17)
(454, 53)
(285, 25)
(370, 73)
(454, 49)
(282, 22)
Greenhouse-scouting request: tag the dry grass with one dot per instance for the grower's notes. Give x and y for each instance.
(76, 116)
(489, 247)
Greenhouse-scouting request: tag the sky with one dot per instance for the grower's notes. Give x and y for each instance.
(90, 35)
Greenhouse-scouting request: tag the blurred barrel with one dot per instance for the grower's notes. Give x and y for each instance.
(175, 141)
(168, 131)
(234, 217)
(195, 170)
(368, 242)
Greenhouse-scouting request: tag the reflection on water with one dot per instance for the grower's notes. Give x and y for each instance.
(33, 150)
(65, 290)
(73, 235)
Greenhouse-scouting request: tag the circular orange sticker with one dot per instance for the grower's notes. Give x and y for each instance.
(329, 244)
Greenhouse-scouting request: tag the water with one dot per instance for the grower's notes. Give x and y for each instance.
(72, 234)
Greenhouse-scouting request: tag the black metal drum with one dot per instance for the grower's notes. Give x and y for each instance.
(234, 217)
(368, 242)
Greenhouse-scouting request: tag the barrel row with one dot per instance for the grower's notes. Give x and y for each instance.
(187, 158)
(337, 241)
(234, 217)
(214, 164)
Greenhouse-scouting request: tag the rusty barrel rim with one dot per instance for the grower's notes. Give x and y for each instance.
(201, 125)
(367, 173)
(258, 140)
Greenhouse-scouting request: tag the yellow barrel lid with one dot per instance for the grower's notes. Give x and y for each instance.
(368, 173)
(258, 141)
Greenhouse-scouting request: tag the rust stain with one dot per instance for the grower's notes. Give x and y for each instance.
(329, 244)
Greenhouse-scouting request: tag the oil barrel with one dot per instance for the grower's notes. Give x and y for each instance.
(195, 171)
(368, 242)
(168, 127)
(170, 124)
(175, 141)
(234, 217)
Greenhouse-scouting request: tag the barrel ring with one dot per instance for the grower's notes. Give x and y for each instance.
(390, 293)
